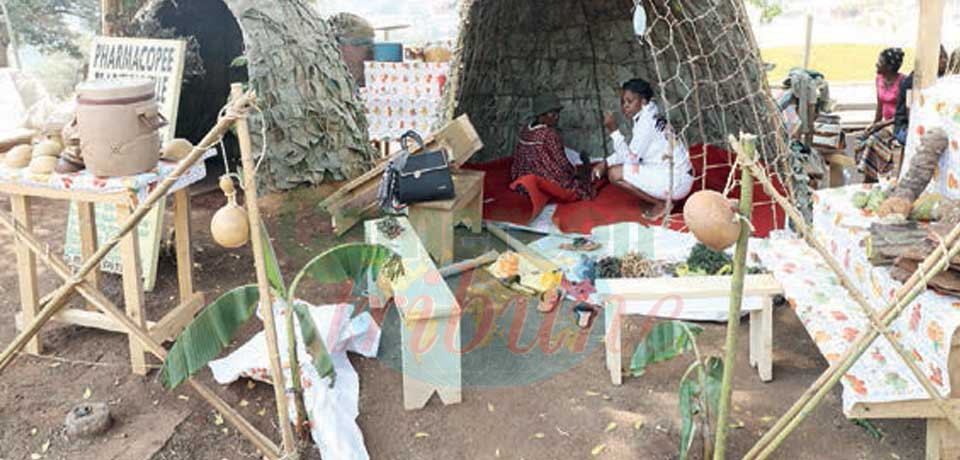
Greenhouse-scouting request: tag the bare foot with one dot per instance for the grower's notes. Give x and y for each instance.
(656, 211)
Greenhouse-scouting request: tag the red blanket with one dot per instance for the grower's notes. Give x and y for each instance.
(612, 204)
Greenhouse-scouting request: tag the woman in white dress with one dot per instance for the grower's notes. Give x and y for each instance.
(642, 165)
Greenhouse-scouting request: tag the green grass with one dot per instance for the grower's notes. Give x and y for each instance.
(838, 62)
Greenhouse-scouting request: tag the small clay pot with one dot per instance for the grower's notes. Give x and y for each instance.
(43, 164)
(19, 156)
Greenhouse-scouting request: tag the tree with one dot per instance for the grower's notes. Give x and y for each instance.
(49, 25)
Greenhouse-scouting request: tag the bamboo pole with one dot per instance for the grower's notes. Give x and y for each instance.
(808, 42)
(747, 148)
(58, 298)
(929, 34)
(929, 268)
(263, 285)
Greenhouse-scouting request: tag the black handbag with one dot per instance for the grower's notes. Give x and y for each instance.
(416, 178)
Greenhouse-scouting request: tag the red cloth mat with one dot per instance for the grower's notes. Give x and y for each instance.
(613, 204)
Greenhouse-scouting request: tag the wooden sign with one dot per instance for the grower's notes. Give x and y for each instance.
(158, 60)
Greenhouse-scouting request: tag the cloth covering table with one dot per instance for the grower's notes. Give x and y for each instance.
(125, 193)
(832, 318)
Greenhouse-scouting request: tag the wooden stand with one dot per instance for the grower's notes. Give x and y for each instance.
(430, 321)
(630, 292)
(434, 221)
(21, 198)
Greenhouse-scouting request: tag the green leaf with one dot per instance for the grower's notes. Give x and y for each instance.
(666, 341)
(869, 427)
(314, 341)
(714, 381)
(688, 413)
(207, 335)
(274, 275)
(239, 61)
(350, 262)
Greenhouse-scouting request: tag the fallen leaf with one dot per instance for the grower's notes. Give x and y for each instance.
(45, 447)
(490, 407)
(217, 419)
(262, 412)
(35, 457)
(496, 453)
(766, 418)
(539, 435)
(895, 456)
(244, 403)
(183, 397)
(737, 424)
(421, 434)
(610, 427)
(592, 393)
(87, 393)
(638, 425)
(226, 430)
(606, 397)
(33, 432)
(55, 365)
(597, 449)
(251, 384)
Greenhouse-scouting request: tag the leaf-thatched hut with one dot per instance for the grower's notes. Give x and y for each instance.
(315, 126)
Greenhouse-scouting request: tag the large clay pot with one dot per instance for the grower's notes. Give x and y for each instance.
(712, 219)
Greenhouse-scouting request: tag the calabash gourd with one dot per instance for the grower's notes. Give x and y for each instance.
(19, 156)
(230, 227)
(176, 150)
(711, 218)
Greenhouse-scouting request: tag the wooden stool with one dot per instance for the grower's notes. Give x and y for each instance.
(633, 296)
(434, 220)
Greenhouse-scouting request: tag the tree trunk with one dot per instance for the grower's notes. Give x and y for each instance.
(4, 49)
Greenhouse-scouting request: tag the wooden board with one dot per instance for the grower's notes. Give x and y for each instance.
(701, 287)
(357, 199)
(158, 60)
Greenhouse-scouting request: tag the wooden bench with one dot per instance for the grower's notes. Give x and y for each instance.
(435, 220)
(634, 297)
(429, 321)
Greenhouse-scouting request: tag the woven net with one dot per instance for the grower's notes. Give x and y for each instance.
(700, 54)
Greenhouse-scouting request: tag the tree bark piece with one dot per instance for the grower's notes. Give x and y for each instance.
(918, 177)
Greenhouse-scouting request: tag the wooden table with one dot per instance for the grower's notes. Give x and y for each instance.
(22, 197)
(434, 221)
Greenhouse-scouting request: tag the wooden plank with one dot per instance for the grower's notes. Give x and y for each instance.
(471, 264)
(88, 241)
(173, 323)
(928, 43)
(55, 194)
(808, 42)
(917, 408)
(84, 318)
(701, 287)
(132, 289)
(540, 262)
(181, 222)
(26, 268)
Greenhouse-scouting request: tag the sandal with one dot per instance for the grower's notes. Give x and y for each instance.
(581, 244)
(586, 314)
(549, 300)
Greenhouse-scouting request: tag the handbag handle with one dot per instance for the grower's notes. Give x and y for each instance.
(411, 134)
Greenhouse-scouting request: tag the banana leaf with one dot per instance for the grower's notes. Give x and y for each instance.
(206, 336)
(314, 341)
(274, 275)
(350, 262)
(665, 341)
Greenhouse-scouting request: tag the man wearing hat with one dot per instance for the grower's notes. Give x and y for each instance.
(540, 151)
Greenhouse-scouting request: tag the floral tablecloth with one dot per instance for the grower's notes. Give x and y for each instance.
(938, 107)
(400, 96)
(139, 185)
(834, 320)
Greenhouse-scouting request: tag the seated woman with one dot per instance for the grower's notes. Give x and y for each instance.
(876, 148)
(642, 166)
(540, 151)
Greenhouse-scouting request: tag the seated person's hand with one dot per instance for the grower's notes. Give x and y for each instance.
(599, 171)
(610, 123)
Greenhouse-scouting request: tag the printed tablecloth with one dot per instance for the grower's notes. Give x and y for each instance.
(400, 96)
(139, 185)
(938, 107)
(834, 320)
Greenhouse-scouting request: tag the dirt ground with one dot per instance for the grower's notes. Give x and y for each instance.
(564, 415)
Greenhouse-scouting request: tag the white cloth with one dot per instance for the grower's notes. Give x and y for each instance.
(645, 159)
(573, 156)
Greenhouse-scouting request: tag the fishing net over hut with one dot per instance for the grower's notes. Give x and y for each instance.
(700, 55)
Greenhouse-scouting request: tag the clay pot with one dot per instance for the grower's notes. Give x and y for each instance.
(712, 219)
(230, 227)
(19, 156)
(43, 164)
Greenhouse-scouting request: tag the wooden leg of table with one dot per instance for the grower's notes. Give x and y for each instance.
(429, 363)
(612, 343)
(132, 289)
(761, 340)
(181, 219)
(88, 241)
(26, 269)
(476, 211)
(943, 441)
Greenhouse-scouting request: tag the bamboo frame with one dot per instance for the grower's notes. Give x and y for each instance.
(77, 282)
(931, 266)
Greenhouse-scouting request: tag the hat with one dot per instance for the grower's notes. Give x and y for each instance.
(546, 103)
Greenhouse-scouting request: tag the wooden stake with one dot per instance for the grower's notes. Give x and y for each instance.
(808, 46)
(746, 147)
(543, 264)
(466, 265)
(263, 285)
(933, 265)
(928, 44)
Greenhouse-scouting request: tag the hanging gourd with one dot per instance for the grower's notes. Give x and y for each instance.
(712, 219)
(230, 227)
